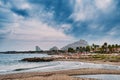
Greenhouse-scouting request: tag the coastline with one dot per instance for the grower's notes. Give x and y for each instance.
(57, 75)
(38, 75)
(92, 61)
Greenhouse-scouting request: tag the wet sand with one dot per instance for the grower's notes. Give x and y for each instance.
(91, 61)
(56, 75)
(64, 74)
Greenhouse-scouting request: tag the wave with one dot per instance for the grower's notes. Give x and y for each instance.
(30, 68)
(55, 65)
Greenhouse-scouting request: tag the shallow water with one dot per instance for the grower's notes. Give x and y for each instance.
(9, 63)
(101, 76)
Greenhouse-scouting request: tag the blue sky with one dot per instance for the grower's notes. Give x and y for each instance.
(46, 23)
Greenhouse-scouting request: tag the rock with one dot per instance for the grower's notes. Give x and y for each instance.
(37, 59)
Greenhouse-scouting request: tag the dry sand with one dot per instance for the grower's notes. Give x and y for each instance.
(57, 75)
(54, 77)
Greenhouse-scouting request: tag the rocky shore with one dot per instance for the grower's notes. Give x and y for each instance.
(38, 59)
(97, 58)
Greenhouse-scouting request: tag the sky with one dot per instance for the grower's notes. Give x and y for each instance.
(25, 24)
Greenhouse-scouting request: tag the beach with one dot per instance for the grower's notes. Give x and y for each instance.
(63, 68)
(57, 74)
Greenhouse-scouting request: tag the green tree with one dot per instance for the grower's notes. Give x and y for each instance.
(71, 50)
(105, 47)
(81, 49)
(116, 47)
(113, 48)
(87, 48)
(110, 48)
(77, 49)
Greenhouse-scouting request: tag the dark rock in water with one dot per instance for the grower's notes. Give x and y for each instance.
(37, 59)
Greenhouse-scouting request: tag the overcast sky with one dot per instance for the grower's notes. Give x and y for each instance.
(46, 23)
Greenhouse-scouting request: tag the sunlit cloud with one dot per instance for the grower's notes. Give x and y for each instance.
(47, 23)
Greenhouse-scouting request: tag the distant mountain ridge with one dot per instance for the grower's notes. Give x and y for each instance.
(80, 43)
(54, 48)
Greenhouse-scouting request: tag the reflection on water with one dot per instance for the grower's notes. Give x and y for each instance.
(101, 76)
(9, 63)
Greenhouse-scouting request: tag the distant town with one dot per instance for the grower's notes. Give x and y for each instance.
(80, 46)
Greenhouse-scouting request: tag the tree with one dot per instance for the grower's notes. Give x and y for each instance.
(87, 48)
(105, 47)
(113, 48)
(71, 50)
(77, 49)
(81, 49)
(116, 47)
(94, 47)
(110, 48)
(84, 49)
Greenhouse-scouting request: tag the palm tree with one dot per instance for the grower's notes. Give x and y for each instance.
(87, 49)
(103, 49)
(94, 47)
(105, 46)
(116, 47)
(81, 49)
(77, 49)
(113, 48)
(71, 50)
(110, 48)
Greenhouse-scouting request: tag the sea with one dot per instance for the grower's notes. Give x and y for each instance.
(11, 63)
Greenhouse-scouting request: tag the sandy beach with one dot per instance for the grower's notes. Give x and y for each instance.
(92, 61)
(56, 75)
(65, 74)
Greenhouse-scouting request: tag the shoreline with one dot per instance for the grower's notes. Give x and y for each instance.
(92, 61)
(57, 75)
(72, 72)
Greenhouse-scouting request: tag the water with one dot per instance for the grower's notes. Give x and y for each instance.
(101, 76)
(10, 63)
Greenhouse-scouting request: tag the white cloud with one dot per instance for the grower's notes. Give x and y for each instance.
(101, 40)
(28, 33)
(96, 26)
(104, 4)
(83, 10)
(0, 3)
(36, 30)
(4, 31)
(114, 31)
(25, 33)
(21, 4)
(65, 27)
(90, 10)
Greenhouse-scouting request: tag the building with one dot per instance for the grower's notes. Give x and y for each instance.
(37, 48)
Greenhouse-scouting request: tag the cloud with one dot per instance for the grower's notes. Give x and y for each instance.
(36, 30)
(47, 23)
(104, 4)
(90, 10)
(114, 31)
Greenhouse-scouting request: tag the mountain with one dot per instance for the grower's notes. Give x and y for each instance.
(80, 43)
(54, 48)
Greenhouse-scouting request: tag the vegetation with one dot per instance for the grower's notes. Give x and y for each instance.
(106, 57)
(105, 48)
(71, 50)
